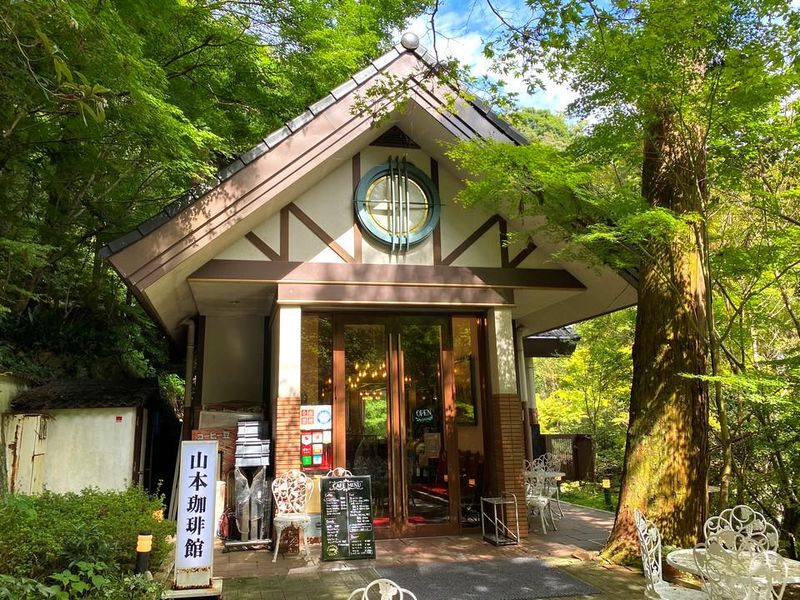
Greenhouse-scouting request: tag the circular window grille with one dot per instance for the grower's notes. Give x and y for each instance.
(397, 204)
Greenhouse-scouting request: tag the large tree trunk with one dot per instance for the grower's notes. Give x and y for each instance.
(666, 460)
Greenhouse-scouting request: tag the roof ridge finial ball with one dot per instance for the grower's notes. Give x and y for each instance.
(410, 40)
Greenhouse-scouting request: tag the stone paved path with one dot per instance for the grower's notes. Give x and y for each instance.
(250, 575)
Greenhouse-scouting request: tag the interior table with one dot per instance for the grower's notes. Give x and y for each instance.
(683, 560)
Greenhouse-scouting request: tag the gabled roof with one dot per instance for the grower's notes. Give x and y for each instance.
(62, 394)
(157, 259)
(274, 138)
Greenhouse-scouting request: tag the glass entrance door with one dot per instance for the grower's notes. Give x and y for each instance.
(400, 419)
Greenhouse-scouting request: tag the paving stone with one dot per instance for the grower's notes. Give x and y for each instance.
(251, 574)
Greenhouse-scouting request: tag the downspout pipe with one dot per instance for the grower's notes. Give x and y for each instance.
(525, 387)
(189, 378)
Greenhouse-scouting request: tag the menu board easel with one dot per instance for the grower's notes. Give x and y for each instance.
(347, 531)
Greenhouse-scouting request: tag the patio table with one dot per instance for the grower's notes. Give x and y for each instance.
(683, 560)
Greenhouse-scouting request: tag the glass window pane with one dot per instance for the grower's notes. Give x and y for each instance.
(465, 369)
(368, 412)
(316, 359)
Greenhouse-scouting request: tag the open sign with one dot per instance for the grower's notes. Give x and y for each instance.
(423, 415)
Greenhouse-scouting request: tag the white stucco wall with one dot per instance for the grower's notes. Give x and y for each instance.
(89, 447)
(233, 361)
(330, 205)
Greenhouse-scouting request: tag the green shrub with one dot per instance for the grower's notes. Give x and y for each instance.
(86, 580)
(22, 588)
(41, 535)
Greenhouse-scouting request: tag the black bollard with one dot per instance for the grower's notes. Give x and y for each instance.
(144, 544)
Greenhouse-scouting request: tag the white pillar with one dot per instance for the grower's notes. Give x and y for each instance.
(286, 336)
(289, 335)
(501, 351)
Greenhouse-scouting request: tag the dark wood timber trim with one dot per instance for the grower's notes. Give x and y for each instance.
(357, 241)
(437, 231)
(200, 360)
(327, 293)
(523, 254)
(138, 468)
(339, 396)
(285, 233)
(320, 233)
(473, 237)
(262, 246)
(265, 271)
(503, 243)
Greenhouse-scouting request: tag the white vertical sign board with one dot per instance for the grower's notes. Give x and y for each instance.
(194, 546)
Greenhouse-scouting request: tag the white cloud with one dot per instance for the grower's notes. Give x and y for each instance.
(462, 34)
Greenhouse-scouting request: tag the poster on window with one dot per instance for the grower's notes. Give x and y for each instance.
(317, 417)
(194, 547)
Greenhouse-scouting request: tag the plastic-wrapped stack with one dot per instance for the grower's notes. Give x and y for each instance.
(251, 449)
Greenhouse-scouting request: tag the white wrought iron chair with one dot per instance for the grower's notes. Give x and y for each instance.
(538, 498)
(549, 463)
(655, 586)
(741, 527)
(339, 472)
(740, 573)
(552, 464)
(382, 589)
(291, 492)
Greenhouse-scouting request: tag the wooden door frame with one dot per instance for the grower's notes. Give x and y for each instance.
(399, 527)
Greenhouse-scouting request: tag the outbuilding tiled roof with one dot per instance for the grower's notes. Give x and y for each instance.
(87, 394)
(555, 342)
(276, 137)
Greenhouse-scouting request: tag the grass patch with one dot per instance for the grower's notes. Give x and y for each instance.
(589, 494)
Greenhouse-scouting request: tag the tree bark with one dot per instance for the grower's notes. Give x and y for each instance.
(666, 462)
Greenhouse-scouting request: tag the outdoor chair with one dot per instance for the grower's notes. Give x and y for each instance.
(537, 499)
(291, 492)
(740, 573)
(339, 472)
(655, 586)
(382, 589)
(741, 527)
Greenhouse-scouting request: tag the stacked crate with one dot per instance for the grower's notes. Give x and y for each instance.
(251, 449)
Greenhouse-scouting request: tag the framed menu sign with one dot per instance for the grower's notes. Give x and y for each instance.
(347, 531)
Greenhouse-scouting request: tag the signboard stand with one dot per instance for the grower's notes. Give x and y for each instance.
(194, 544)
(347, 531)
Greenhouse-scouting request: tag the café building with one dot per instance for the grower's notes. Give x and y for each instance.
(328, 281)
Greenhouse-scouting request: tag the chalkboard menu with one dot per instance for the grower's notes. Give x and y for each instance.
(347, 531)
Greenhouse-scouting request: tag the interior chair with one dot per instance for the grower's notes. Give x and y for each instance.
(740, 573)
(655, 586)
(537, 499)
(291, 492)
(741, 527)
(471, 467)
(381, 589)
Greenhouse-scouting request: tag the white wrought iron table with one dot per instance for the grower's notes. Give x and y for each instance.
(683, 560)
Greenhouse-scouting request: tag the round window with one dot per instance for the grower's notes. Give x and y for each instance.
(397, 204)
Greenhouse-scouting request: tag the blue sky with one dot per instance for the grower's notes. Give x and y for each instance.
(462, 28)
